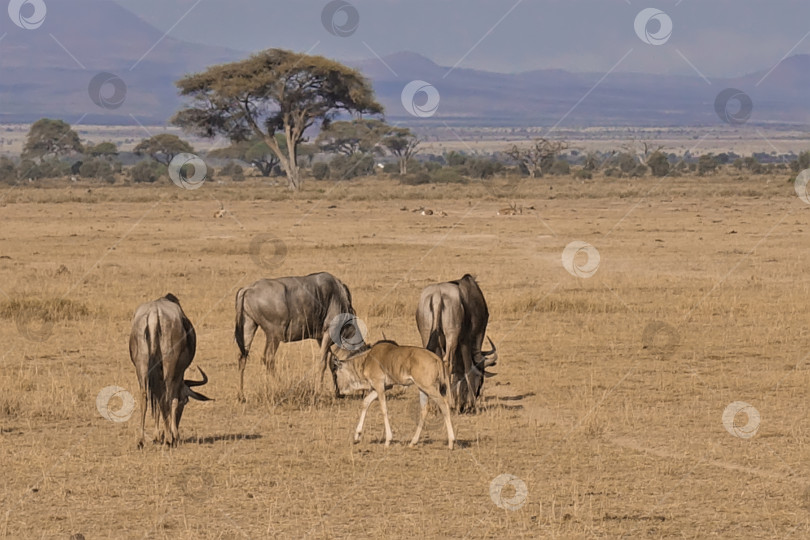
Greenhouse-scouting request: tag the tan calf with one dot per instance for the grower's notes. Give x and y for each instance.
(387, 364)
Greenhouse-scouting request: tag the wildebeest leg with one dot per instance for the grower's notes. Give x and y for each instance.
(174, 437)
(143, 416)
(366, 404)
(447, 364)
(248, 332)
(270, 348)
(326, 343)
(469, 398)
(388, 433)
(423, 411)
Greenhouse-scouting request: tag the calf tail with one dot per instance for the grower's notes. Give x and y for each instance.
(443, 389)
(154, 374)
(239, 332)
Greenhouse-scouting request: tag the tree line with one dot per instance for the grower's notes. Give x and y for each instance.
(266, 106)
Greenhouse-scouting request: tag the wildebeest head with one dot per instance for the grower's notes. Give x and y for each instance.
(187, 393)
(483, 360)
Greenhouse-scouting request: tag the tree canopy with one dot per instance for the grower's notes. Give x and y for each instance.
(274, 91)
(50, 137)
(163, 147)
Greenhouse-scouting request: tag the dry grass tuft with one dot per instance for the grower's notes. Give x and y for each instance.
(51, 309)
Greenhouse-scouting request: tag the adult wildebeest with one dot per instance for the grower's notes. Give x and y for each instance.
(317, 306)
(386, 364)
(162, 345)
(452, 320)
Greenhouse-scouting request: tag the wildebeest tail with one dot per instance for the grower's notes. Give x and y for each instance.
(154, 373)
(239, 332)
(435, 321)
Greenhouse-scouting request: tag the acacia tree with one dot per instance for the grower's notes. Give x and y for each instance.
(403, 144)
(50, 137)
(274, 91)
(539, 157)
(359, 136)
(163, 147)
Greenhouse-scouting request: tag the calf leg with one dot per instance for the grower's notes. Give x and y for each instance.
(451, 436)
(270, 348)
(388, 433)
(423, 411)
(366, 404)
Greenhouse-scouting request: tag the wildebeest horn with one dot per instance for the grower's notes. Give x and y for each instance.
(491, 356)
(198, 383)
(191, 393)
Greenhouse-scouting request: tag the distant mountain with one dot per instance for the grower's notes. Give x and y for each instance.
(544, 97)
(41, 71)
(47, 71)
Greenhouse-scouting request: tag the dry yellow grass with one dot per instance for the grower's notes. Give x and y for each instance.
(610, 438)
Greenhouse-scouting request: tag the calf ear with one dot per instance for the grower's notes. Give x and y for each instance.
(488, 374)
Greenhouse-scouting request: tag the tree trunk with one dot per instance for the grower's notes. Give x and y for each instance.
(403, 165)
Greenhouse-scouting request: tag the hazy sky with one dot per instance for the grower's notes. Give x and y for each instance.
(718, 37)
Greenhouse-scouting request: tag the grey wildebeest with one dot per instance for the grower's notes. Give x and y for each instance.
(162, 345)
(386, 364)
(452, 321)
(317, 306)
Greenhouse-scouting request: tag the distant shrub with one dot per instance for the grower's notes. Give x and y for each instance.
(560, 168)
(447, 175)
(390, 168)
(613, 172)
(51, 168)
(346, 167)
(8, 171)
(146, 171)
(583, 174)
(658, 163)
(416, 179)
(234, 171)
(320, 170)
(97, 168)
(638, 171)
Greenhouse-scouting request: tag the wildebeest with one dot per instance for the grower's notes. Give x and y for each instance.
(452, 320)
(386, 364)
(162, 346)
(293, 309)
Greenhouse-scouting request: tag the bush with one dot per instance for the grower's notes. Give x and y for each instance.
(707, 164)
(481, 167)
(416, 179)
(447, 175)
(612, 172)
(639, 171)
(146, 171)
(560, 168)
(347, 167)
(583, 174)
(8, 171)
(659, 164)
(234, 171)
(320, 170)
(45, 169)
(96, 168)
(390, 168)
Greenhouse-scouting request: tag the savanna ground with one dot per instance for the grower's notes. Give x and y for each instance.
(610, 438)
